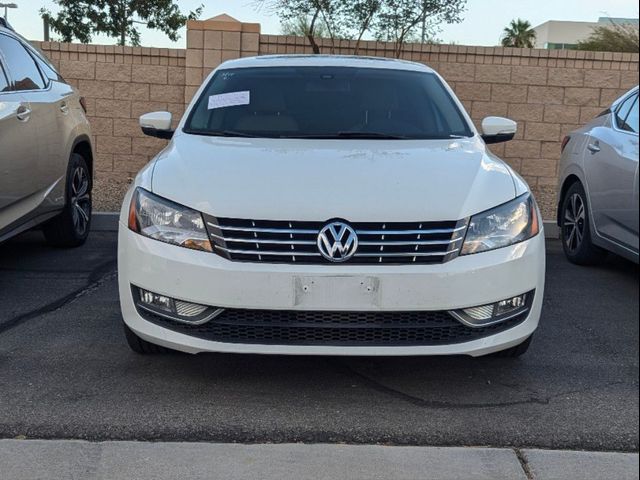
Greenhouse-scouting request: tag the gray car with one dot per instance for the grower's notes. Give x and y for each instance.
(45, 147)
(598, 199)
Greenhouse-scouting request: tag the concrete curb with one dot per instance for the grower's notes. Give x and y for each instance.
(21, 459)
(108, 222)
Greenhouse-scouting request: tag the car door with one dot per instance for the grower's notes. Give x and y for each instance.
(611, 170)
(15, 127)
(29, 125)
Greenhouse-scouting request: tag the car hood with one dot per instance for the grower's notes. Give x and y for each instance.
(317, 180)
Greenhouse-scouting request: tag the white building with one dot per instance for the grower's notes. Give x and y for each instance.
(556, 34)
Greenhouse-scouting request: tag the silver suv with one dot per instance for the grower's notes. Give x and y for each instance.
(598, 201)
(46, 156)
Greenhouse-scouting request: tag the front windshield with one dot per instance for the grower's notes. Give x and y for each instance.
(326, 102)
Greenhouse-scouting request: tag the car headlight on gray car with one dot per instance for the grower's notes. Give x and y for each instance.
(507, 224)
(168, 222)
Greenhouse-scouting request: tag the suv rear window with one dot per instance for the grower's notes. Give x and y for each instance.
(327, 102)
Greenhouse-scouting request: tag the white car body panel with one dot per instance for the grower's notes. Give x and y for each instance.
(267, 178)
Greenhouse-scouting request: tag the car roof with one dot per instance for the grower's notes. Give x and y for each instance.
(325, 61)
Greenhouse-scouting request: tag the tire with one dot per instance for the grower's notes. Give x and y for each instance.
(514, 352)
(575, 228)
(71, 228)
(141, 346)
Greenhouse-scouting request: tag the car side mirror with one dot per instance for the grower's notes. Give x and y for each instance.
(157, 124)
(498, 129)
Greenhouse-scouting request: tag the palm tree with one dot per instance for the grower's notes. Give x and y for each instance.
(519, 34)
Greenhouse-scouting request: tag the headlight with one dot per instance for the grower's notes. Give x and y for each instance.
(168, 222)
(513, 222)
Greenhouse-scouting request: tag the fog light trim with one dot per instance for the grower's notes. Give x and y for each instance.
(492, 313)
(172, 308)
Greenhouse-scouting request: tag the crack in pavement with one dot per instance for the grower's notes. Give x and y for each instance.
(524, 463)
(97, 276)
(435, 404)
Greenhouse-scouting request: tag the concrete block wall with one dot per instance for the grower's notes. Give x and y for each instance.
(211, 42)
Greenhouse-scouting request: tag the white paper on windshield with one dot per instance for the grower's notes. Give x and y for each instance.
(231, 99)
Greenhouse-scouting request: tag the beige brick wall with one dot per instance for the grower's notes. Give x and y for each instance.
(120, 84)
(548, 92)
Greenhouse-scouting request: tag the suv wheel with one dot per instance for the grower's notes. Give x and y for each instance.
(71, 227)
(575, 228)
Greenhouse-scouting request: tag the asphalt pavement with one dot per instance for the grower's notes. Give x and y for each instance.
(66, 372)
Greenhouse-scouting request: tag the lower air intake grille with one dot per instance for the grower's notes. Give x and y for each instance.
(276, 327)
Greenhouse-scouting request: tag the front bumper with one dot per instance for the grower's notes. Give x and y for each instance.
(208, 279)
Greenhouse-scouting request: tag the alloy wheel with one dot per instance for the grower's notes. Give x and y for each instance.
(80, 200)
(574, 222)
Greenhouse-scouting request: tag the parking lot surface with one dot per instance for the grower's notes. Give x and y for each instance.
(66, 372)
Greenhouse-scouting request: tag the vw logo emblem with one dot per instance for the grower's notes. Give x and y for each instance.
(337, 242)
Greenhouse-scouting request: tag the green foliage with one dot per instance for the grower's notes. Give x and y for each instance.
(612, 38)
(301, 27)
(81, 19)
(519, 34)
(398, 21)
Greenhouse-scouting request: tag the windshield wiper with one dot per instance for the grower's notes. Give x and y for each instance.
(372, 135)
(347, 134)
(231, 133)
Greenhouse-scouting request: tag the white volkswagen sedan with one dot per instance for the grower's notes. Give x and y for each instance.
(332, 206)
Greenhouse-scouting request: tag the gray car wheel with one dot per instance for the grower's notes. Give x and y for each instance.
(71, 227)
(575, 228)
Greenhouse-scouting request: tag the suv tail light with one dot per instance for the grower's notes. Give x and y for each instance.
(565, 141)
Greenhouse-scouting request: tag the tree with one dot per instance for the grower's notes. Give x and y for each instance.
(323, 14)
(612, 38)
(400, 20)
(301, 27)
(394, 20)
(359, 16)
(519, 34)
(81, 19)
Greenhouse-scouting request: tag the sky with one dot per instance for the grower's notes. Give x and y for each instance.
(482, 25)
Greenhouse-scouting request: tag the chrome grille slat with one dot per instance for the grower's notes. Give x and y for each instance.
(263, 230)
(410, 232)
(266, 252)
(254, 240)
(408, 242)
(380, 243)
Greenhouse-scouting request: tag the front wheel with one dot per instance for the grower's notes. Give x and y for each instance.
(71, 227)
(575, 228)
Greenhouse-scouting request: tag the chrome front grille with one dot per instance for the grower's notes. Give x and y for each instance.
(273, 241)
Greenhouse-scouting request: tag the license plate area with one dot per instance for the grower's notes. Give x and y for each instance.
(336, 292)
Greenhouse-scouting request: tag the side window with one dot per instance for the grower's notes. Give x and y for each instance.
(21, 65)
(623, 110)
(4, 83)
(46, 68)
(631, 123)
